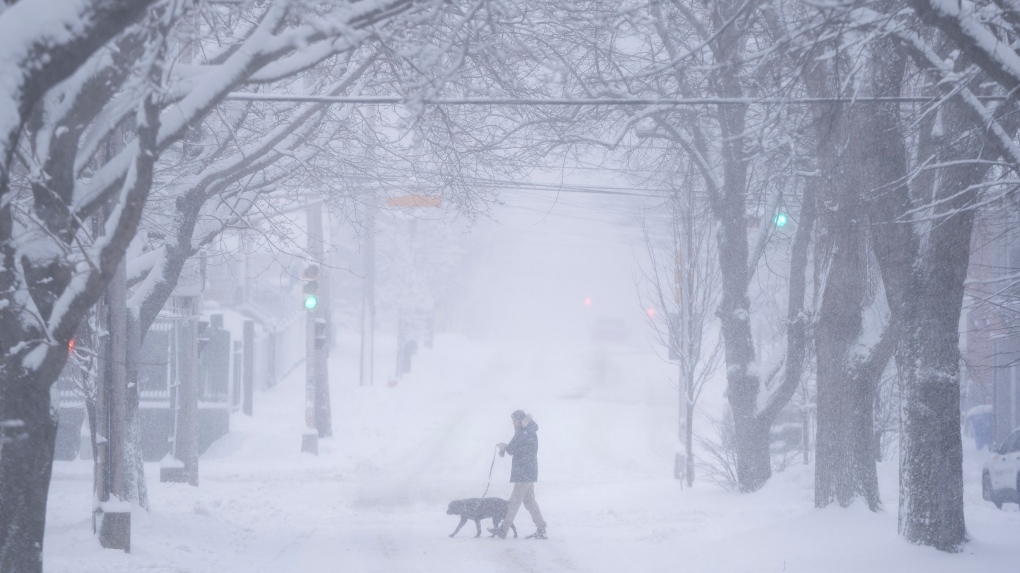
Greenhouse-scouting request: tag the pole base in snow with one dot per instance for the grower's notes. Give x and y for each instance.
(115, 530)
(310, 443)
(85, 450)
(679, 467)
(172, 475)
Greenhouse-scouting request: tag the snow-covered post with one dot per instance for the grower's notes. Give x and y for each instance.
(135, 488)
(187, 429)
(181, 464)
(248, 369)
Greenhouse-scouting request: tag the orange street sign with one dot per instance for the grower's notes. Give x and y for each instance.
(415, 200)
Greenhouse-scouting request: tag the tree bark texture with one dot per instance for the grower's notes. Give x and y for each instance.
(752, 424)
(928, 357)
(54, 55)
(28, 433)
(35, 354)
(844, 399)
(844, 402)
(742, 380)
(860, 155)
(924, 281)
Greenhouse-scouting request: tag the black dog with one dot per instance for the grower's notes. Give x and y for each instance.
(479, 508)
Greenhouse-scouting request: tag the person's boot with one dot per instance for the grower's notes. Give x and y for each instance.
(498, 532)
(538, 534)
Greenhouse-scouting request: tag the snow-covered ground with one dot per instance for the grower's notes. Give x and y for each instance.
(375, 499)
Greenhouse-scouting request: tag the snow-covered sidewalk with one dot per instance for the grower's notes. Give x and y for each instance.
(375, 499)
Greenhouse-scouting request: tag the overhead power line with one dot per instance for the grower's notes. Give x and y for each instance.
(666, 102)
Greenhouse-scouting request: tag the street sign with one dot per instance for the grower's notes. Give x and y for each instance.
(415, 200)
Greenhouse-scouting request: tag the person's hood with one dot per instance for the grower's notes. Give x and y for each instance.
(528, 424)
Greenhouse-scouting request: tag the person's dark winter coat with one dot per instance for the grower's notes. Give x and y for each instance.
(524, 449)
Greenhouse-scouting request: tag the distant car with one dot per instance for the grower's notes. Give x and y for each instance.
(613, 330)
(1000, 477)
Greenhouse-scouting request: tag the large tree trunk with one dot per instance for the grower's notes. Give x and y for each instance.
(844, 466)
(35, 352)
(726, 31)
(25, 383)
(751, 436)
(843, 404)
(928, 360)
(860, 153)
(928, 357)
(750, 439)
(28, 430)
(931, 456)
(924, 285)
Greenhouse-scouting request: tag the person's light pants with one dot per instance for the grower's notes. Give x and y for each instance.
(524, 493)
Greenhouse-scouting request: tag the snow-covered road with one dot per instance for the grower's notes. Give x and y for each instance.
(375, 499)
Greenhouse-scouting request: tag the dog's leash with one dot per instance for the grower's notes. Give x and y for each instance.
(492, 465)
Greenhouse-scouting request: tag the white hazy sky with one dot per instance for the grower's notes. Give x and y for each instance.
(544, 255)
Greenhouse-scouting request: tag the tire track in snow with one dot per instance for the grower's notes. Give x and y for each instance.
(541, 558)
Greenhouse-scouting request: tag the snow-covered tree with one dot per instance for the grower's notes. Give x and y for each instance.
(664, 50)
(923, 179)
(682, 282)
(88, 108)
(857, 156)
(48, 280)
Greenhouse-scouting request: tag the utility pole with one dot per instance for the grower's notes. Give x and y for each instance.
(182, 464)
(310, 437)
(112, 515)
(135, 488)
(235, 383)
(186, 442)
(366, 363)
(407, 339)
(249, 366)
(319, 316)
(366, 358)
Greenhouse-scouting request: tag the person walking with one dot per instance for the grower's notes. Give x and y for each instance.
(523, 448)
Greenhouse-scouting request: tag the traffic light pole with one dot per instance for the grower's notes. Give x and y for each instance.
(310, 436)
(323, 412)
(318, 422)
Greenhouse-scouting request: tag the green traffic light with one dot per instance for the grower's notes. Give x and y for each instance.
(780, 220)
(311, 301)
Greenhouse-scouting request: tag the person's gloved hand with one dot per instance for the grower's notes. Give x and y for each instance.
(502, 449)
